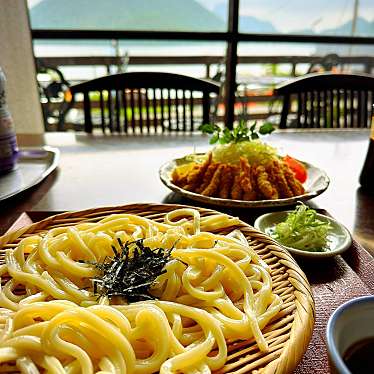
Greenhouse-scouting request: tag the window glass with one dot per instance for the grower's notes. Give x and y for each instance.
(263, 66)
(317, 17)
(153, 15)
(199, 59)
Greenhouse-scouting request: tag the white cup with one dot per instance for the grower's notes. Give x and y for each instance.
(350, 323)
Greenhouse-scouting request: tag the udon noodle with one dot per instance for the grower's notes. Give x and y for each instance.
(215, 288)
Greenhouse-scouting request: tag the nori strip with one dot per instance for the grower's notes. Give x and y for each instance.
(130, 276)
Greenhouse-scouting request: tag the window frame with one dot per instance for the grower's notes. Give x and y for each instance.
(232, 37)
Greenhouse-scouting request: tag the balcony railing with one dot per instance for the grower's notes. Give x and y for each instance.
(251, 104)
(367, 62)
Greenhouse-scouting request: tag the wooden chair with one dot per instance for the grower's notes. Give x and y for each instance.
(328, 101)
(146, 101)
(54, 96)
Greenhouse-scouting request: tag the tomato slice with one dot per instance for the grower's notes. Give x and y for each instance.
(297, 167)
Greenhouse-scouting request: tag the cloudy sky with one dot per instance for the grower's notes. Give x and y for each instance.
(289, 15)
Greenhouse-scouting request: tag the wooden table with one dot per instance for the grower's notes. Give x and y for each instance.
(103, 171)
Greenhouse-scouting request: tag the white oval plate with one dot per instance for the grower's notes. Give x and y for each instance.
(316, 183)
(339, 237)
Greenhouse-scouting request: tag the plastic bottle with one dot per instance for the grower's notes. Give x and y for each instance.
(8, 141)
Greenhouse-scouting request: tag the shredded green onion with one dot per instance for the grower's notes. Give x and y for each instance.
(303, 230)
(255, 151)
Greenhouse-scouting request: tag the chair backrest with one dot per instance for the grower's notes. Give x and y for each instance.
(54, 96)
(328, 100)
(146, 101)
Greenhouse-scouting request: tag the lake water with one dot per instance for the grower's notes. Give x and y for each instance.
(43, 48)
(161, 48)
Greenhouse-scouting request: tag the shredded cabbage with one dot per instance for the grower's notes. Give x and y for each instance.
(256, 152)
(303, 230)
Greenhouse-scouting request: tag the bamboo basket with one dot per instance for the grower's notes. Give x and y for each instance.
(288, 334)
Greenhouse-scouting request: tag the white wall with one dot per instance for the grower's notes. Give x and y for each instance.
(17, 61)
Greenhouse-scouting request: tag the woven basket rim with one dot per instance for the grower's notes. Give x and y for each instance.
(304, 314)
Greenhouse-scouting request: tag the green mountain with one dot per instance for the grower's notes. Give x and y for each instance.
(363, 28)
(155, 15)
(247, 24)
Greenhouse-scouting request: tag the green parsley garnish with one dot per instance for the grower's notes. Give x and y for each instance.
(238, 134)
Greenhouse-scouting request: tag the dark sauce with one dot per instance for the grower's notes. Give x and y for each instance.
(359, 357)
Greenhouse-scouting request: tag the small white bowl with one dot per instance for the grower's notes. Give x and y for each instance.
(350, 323)
(339, 237)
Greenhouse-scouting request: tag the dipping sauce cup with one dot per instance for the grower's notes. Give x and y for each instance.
(350, 337)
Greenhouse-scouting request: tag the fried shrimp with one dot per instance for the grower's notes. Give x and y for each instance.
(212, 187)
(279, 180)
(197, 173)
(296, 187)
(207, 177)
(226, 182)
(236, 191)
(264, 185)
(249, 192)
